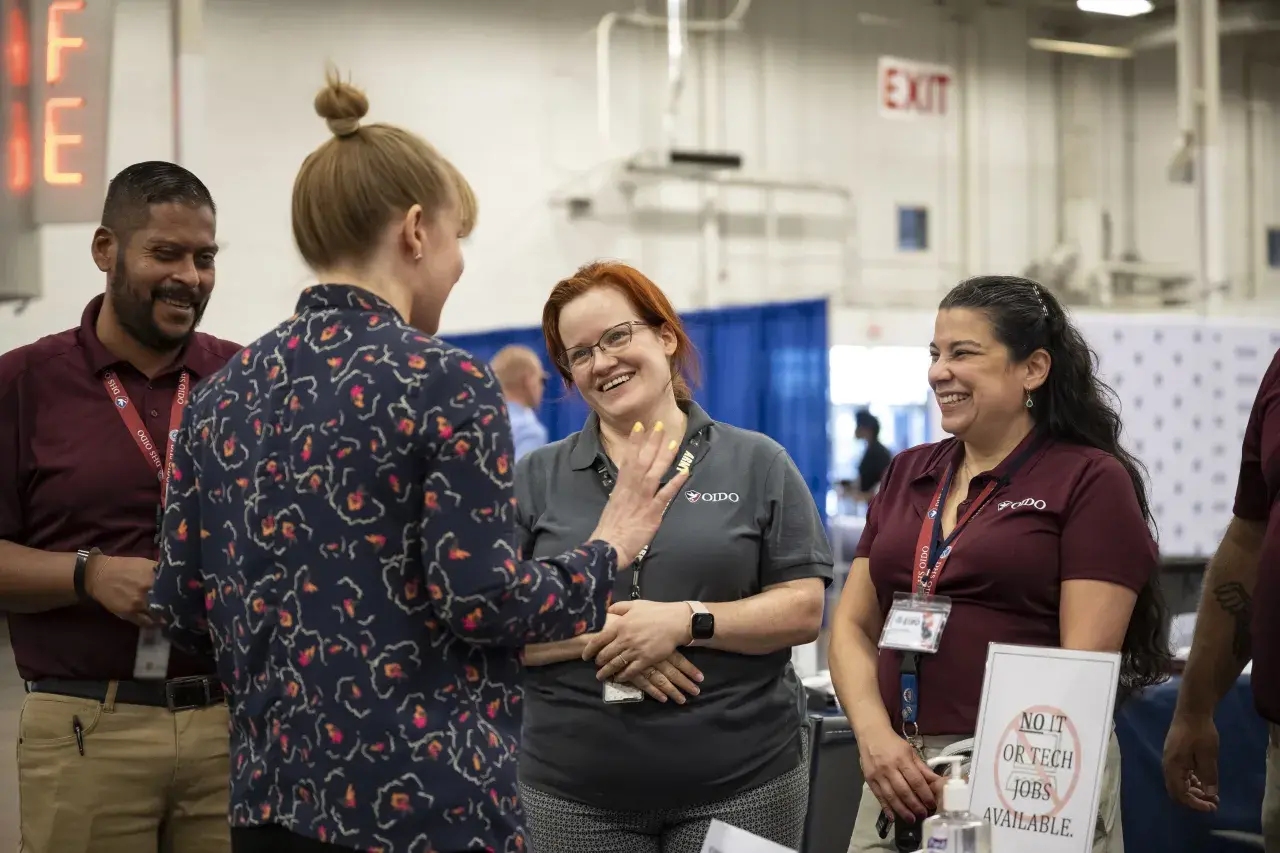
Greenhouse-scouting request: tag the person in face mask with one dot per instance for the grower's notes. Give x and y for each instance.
(85, 422)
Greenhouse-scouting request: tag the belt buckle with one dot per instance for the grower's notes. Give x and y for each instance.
(178, 683)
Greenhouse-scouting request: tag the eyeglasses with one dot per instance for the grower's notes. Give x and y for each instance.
(614, 340)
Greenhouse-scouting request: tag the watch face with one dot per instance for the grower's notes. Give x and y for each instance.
(704, 626)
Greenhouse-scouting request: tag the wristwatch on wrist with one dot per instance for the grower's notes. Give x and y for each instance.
(82, 564)
(703, 624)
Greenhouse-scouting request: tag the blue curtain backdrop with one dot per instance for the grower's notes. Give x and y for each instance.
(764, 367)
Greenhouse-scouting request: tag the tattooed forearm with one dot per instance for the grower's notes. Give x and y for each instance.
(1235, 600)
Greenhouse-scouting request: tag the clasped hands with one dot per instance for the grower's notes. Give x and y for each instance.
(637, 645)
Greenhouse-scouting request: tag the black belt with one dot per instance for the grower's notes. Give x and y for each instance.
(178, 694)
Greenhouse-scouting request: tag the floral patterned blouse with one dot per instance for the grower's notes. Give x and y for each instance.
(339, 533)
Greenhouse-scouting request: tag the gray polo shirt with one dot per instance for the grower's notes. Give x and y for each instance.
(744, 521)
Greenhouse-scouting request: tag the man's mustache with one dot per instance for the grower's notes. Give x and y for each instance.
(178, 292)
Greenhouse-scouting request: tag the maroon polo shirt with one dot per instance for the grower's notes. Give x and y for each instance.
(1069, 512)
(1256, 495)
(72, 476)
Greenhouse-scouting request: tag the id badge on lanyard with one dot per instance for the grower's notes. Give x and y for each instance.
(618, 692)
(916, 620)
(151, 661)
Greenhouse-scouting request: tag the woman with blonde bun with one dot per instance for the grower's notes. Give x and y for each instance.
(340, 526)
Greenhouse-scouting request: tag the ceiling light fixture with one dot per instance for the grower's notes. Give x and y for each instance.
(1122, 8)
(1079, 48)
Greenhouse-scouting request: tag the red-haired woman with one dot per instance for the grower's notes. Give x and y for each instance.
(684, 708)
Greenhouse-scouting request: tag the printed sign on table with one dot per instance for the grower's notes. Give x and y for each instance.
(1041, 746)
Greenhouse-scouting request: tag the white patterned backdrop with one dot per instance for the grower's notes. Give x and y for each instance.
(1186, 386)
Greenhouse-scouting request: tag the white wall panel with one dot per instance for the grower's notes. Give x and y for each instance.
(507, 89)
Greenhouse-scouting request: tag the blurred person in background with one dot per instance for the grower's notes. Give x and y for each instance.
(1236, 623)
(876, 458)
(1057, 547)
(519, 372)
(684, 708)
(875, 461)
(339, 530)
(122, 746)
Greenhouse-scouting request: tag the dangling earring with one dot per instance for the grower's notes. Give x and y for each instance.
(1030, 402)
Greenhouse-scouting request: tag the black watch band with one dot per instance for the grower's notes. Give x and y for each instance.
(78, 577)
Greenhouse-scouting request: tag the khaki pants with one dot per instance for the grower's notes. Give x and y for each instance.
(1108, 836)
(150, 780)
(1271, 796)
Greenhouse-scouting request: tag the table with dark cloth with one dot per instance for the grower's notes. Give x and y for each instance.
(1152, 821)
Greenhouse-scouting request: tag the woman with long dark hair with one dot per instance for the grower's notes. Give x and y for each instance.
(1037, 530)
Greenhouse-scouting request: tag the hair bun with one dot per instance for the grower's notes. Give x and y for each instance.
(341, 105)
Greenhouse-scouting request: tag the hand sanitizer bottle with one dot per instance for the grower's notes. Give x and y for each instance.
(954, 829)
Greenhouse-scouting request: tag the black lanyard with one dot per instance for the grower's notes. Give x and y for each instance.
(938, 552)
(693, 453)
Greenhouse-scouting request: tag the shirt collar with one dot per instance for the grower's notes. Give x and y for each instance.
(951, 452)
(588, 449)
(342, 296)
(195, 358)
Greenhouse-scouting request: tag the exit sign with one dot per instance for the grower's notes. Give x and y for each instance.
(57, 78)
(909, 89)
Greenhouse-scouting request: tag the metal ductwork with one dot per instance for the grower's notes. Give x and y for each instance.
(1087, 35)
(1234, 20)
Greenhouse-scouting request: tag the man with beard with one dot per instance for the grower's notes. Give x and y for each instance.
(122, 742)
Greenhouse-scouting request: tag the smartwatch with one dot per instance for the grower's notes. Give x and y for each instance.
(703, 624)
(78, 576)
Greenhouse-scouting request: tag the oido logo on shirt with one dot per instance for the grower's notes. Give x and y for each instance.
(711, 497)
(1030, 503)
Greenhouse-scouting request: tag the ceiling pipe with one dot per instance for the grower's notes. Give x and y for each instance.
(1187, 27)
(676, 20)
(1238, 21)
(641, 18)
(1213, 165)
(1160, 29)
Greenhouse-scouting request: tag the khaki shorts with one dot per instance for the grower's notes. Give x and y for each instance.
(1108, 835)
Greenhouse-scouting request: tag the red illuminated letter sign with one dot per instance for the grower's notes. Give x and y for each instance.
(58, 42)
(54, 139)
(17, 64)
(17, 49)
(19, 149)
(890, 88)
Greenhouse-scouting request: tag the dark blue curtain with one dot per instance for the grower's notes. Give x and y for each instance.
(764, 368)
(563, 411)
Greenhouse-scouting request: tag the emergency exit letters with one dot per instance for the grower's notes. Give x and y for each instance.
(909, 89)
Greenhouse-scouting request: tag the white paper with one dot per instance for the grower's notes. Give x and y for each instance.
(1041, 746)
(723, 838)
(151, 662)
